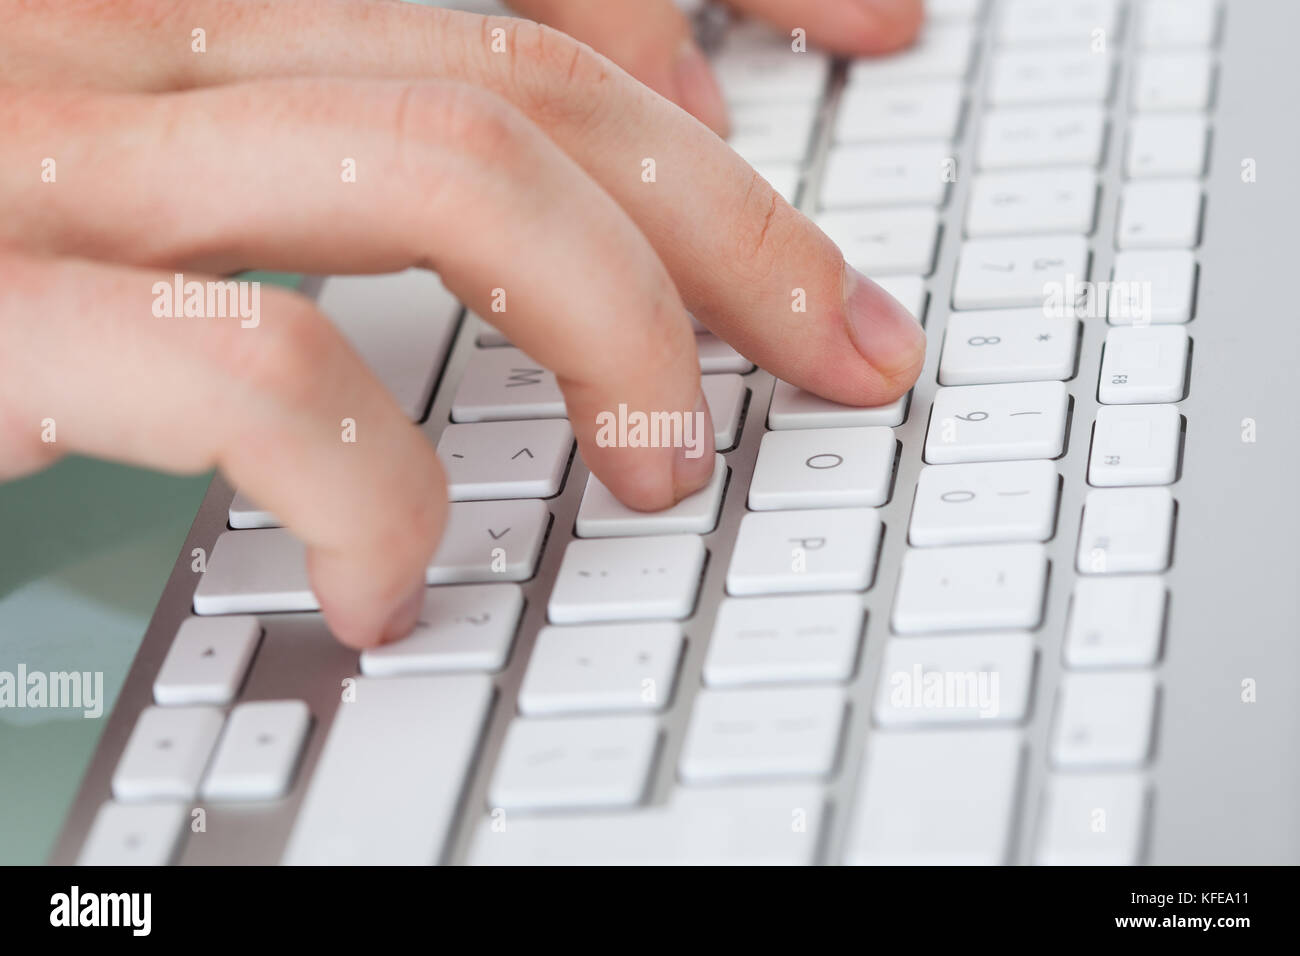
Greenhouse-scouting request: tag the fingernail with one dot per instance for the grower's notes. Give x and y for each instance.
(883, 331)
(404, 617)
(693, 465)
(697, 89)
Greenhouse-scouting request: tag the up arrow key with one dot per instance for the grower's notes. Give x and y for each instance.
(522, 451)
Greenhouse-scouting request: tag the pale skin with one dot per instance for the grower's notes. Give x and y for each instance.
(518, 169)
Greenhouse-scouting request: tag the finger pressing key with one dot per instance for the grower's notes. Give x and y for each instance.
(279, 402)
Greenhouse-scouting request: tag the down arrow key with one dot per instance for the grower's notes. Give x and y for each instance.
(489, 541)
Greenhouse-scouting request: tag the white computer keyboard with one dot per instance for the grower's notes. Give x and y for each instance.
(927, 632)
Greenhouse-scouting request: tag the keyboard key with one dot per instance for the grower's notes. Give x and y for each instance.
(1152, 287)
(251, 572)
(1162, 214)
(1093, 820)
(1027, 203)
(255, 571)
(772, 132)
(1104, 721)
(400, 324)
(1126, 530)
(505, 459)
(606, 667)
(490, 541)
(1144, 365)
(135, 834)
(1030, 137)
(1035, 21)
(1178, 23)
(1007, 345)
(783, 552)
(986, 503)
(780, 732)
(769, 72)
(958, 10)
(1135, 445)
(1017, 273)
(937, 797)
(887, 175)
(167, 753)
(985, 587)
(601, 515)
(725, 395)
(504, 384)
(1116, 622)
(965, 679)
(246, 513)
(574, 762)
(823, 468)
(1162, 146)
(207, 661)
(1039, 77)
(1173, 81)
(942, 51)
(794, 408)
(717, 356)
(259, 751)
(388, 781)
(768, 825)
(997, 422)
(792, 639)
(887, 242)
(915, 111)
(461, 628)
(627, 579)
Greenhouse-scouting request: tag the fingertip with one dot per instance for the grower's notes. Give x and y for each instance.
(883, 332)
(364, 603)
(650, 456)
(891, 25)
(693, 463)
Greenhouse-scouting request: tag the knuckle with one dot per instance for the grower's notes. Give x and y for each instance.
(477, 122)
(556, 76)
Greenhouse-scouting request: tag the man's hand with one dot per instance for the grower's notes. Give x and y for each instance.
(517, 169)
